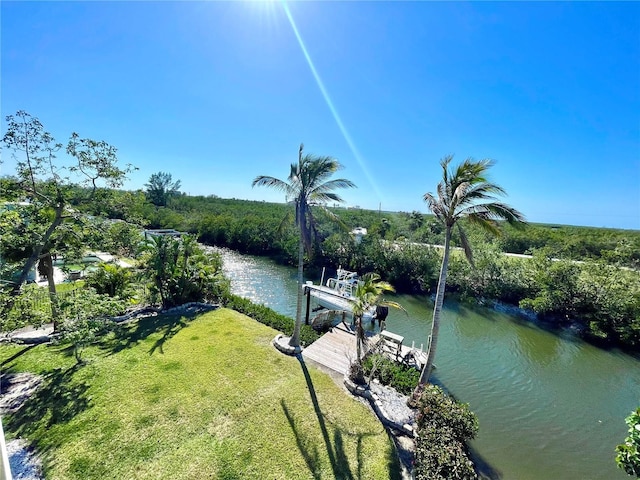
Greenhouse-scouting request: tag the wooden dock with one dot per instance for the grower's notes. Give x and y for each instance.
(336, 349)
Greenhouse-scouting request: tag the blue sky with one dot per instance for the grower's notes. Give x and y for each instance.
(216, 93)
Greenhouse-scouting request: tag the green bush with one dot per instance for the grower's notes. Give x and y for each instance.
(270, 318)
(628, 453)
(444, 426)
(111, 279)
(181, 271)
(401, 377)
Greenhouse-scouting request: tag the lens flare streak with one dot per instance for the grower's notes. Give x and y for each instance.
(327, 99)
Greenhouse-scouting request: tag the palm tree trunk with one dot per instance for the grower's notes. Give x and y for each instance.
(435, 326)
(295, 338)
(359, 339)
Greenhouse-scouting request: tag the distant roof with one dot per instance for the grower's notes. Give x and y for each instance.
(163, 232)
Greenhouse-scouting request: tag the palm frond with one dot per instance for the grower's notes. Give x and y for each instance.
(464, 241)
(435, 206)
(334, 218)
(335, 183)
(389, 303)
(286, 220)
(480, 191)
(272, 182)
(465, 192)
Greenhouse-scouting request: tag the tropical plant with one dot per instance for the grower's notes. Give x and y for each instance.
(368, 293)
(308, 184)
(628, 453)
(180, 271)
(464, 192)
(111, 279)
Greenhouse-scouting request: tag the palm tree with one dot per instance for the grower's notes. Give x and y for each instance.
(308, 184)
(464, 192)
(368, 293)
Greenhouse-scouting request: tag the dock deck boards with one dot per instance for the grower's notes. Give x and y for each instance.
(336, 349)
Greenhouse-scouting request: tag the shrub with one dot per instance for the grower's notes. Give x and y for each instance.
(270, 318)
(401, 377)
(181, 271)
(111, 279)
(628, 453)
(444, 426)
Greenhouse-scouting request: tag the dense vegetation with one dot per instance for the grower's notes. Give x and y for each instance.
(444, 425)
(252, 227)
(583, 276)
(599, 292)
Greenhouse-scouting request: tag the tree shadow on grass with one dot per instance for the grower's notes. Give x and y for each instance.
(130, 334)
(57, 401)
(18, 354)
(169, 331)
(334, 446)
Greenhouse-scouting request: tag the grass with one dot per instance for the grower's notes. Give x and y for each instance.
(62, 288)
(200, 397)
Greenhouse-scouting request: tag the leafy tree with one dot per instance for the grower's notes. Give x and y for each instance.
(416, 220)
(122, 238)
(48, 188)
(160, 188)
(308, 184)
(84, 316)
(464, 192)
(557, 288)
(628, 453)
(181, 271)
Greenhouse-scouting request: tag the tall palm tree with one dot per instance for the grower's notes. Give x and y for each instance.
(368, 293)
(308, 184)
(464, 192)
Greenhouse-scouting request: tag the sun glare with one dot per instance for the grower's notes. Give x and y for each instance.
(329, 102)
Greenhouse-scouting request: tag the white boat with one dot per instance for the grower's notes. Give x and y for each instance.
(338, 293)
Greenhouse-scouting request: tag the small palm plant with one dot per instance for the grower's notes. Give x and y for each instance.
(368, 293)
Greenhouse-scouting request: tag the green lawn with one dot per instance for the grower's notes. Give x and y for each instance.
(200, 397)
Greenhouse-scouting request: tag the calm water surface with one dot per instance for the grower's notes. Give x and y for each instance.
(550, 406)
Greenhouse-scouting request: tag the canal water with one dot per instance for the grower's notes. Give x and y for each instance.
(550, 406)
